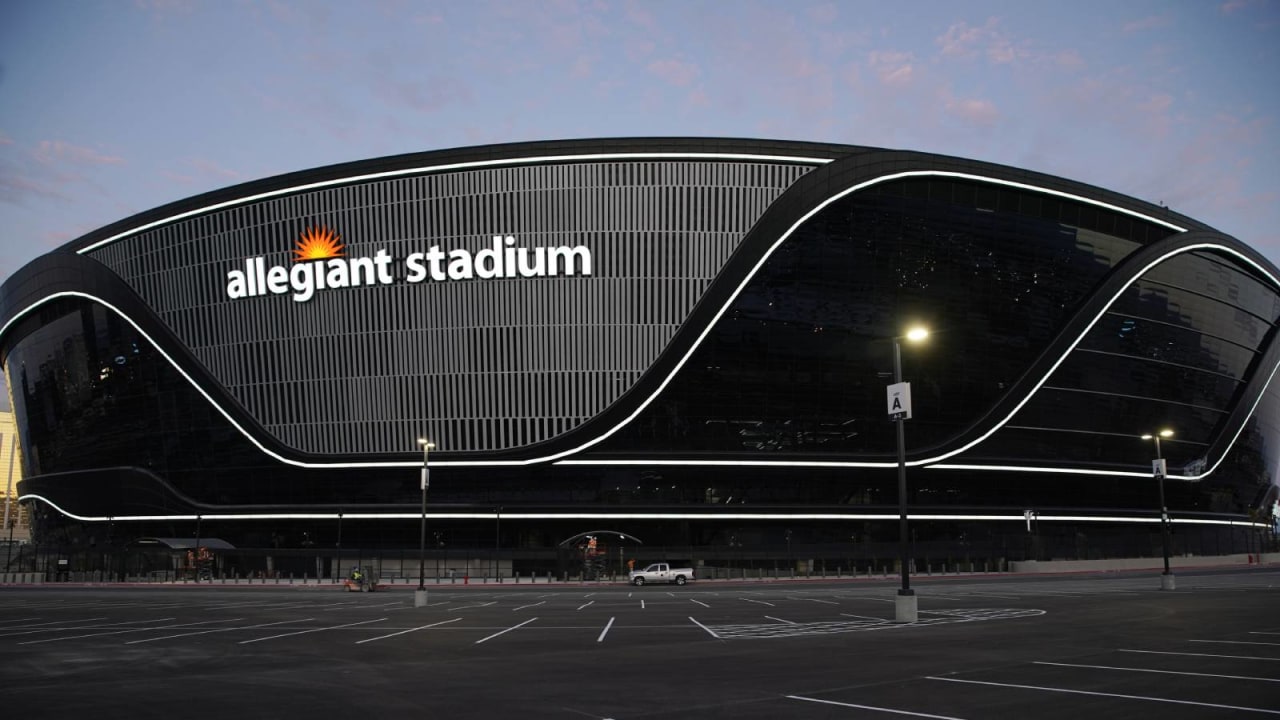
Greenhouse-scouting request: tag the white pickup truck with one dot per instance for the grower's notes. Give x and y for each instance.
(661, 572)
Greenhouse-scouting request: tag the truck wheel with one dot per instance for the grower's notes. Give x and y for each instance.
(680, 580)
(638, 581)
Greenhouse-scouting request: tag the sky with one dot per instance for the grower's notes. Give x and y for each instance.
(109, 108)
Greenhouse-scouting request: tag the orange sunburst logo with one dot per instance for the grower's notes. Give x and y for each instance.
(318, 243)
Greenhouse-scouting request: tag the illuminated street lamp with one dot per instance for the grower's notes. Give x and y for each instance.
(906, 608)
(420, 595)
(1158, 469)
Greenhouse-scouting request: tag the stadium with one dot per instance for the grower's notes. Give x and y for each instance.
(678, 347)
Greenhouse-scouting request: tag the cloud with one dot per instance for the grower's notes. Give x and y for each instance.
(5, 139)
(16, 190)
(1069, 60)
(968, 41)
(976, 111)
(675, 72)
(892, 67)
(1147, 23)
(60, 151)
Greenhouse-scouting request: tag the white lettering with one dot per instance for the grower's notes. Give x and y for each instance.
(415, 267)
(503, 258)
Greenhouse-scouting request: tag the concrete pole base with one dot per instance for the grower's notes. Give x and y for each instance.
(906, 609)
(419, 598)
(1167, 582)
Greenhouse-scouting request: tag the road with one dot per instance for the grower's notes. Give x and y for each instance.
(1001, 647)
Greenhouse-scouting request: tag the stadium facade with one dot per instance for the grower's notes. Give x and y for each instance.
(683, 340)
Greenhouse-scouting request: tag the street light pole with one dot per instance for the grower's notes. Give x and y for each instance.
(1166, 579)
(906, 606)
(420, 595)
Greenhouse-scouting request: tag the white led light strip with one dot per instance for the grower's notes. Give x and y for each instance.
(655, 516)
(559, 458)
(746, 157)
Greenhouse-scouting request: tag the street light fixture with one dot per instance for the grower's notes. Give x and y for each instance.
(420, 595)
(1158, 469)
(906, 607)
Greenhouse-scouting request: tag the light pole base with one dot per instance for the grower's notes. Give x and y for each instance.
(420, 598)
(1166, 582)
(906, 609)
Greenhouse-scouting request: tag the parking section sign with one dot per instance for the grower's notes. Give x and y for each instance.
(900, 401)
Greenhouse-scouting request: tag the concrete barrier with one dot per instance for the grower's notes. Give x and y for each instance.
(1152, 563)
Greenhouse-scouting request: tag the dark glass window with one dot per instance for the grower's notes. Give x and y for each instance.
(799, 363)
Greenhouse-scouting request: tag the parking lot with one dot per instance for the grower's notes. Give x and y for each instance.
(1108, 646)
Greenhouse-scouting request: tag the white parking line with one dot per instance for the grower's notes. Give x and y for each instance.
(704, 627)
(1102, 694)
(206, 632)
(872, 707)
(468, 607)
(402, 632)
(864, 617)
(699, 602)
(504, 632)
(760, 602)
(1232, 657)
(589, 602)
(642, 604)
(1233, 642)
(53, 622)
(1162, 672)
(605, 631)
(827, 602)
(121, 632)
(544, 602)
(20, 620)
(304, 632)
(788, 622)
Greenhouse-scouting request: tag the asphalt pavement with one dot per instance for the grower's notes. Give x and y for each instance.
(1100, 646)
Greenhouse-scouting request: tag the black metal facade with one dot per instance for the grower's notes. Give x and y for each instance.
(717, 371)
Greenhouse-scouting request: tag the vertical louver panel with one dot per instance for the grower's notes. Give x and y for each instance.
(482, 365)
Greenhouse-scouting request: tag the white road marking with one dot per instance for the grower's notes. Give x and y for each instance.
(55, 622)
(1232, 657)
(828, 602)
(704, 627)
(1102, 694)
(699, 602)
(865, 617)
(121, 632)
(760, 602)
(504, 632)
(543, 602)
(402, 632)
(1233, 642)
(589, 602)
(872, 707)
(304, 632)
(468, 607)
(788, 622)
(605, 631)
(206, 632)
(21, 620)
(642, 604)
(1162, 672)
(671, 594)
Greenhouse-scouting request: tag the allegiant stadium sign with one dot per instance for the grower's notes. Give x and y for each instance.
(320, 264)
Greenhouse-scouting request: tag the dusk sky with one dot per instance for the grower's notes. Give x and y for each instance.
(112, 108)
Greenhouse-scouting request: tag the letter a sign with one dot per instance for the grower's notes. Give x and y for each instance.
(900, 401)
